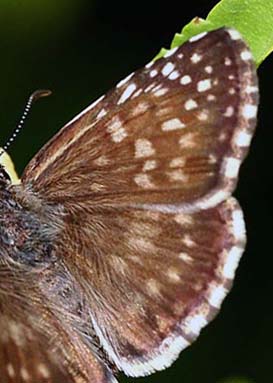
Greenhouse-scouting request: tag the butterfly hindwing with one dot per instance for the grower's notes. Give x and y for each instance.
(153, 279)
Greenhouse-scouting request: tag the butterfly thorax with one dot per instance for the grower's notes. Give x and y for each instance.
(25, 235)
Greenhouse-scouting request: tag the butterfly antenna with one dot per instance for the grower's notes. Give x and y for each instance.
(34, 96)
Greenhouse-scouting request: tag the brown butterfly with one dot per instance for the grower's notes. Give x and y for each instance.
(121, 240)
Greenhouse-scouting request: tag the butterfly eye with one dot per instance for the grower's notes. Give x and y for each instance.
(4, 178)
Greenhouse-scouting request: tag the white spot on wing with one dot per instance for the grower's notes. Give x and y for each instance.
(43, 371)
(24, 374)
(143, 180)
(232, 167)
(174, 75)
(249, 111)
(242, 139)
(160, 92)
(185, 80)
(143, 148)
(127, 93)
(203, 85)
(153, 287)
(116, 130)
(167, 69)
(209, 69)
(211, 97)
(177, 162)
(229, 111)
(190, 104)
(187, 140)
(203, 115)
(149, 165)
(153, 73)
(172, 124)
(227, 61)
(246, 55)
(10, 370)
(177, 175)
(185, 257)
(188, 241)
(140, 108)
(173, 275)
(195, 58)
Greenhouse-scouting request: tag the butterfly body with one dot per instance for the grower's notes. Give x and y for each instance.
(122, 239)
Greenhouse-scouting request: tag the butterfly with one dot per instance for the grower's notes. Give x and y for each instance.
(122, 239)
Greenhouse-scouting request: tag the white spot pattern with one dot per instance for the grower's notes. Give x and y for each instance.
(195, 58)
(172, 124)
(203, 85)
(249, 111)
(143, 148)
(144, 181)
(116, 130)
(167, 69)
(185, 80)
(232, 167)
(153, 73)
(246, 55)
(127, 93)
(190, 104)
(174, 75)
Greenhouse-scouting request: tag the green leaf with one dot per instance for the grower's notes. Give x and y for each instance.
(252, 18)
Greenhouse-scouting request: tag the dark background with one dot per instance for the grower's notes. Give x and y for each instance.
(81, 48)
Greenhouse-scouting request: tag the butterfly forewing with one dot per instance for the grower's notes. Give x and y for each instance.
(139, 187)
(172, 133)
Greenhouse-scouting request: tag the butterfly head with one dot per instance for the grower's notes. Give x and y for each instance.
(7, 170)
(5, 180)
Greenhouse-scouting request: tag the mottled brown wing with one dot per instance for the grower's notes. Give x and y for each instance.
(172, 134)
(152, 280)
(25, 358)
(37, 342)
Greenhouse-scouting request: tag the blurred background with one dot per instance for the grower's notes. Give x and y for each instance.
(81, 48)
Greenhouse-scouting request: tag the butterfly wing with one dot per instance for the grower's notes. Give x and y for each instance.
(23, 357)
(37, 342)
(171, 134)
(139, 175)
(152, 279)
